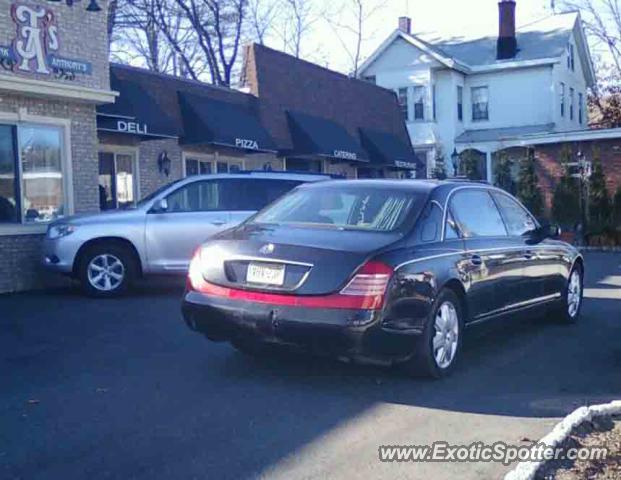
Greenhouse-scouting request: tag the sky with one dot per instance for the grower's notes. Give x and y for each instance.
(462, 17)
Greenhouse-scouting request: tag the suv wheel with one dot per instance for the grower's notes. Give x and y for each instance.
(106, 270)
(439, 346)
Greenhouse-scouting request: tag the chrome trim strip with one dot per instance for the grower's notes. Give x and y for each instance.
(265, 260)
(260, 287)
(430, 257)
(475, 250)
(514, 306)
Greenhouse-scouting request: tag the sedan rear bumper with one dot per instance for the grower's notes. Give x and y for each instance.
(348, 334)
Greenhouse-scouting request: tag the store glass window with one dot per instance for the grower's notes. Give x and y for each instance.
(117, 182)
(31, 176)
(206, 165)
(300, 165)
(198, 166)
(8, 176)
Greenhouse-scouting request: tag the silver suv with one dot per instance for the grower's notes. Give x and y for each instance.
(108, 250)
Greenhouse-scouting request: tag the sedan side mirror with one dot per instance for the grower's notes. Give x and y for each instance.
(552, 231)
(160, 206)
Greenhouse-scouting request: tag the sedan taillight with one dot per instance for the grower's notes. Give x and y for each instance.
(365, 291)
(369, 281)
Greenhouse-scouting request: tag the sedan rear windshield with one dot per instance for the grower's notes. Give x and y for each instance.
(371, 209)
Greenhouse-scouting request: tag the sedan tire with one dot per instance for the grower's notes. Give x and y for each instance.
(438, 348)
(571, 302)
(106, 270)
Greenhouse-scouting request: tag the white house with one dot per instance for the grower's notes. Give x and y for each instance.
(487, 93)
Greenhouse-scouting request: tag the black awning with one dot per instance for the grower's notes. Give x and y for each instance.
(322, 137)
(387, 150)
(215, 122)
(135, 112)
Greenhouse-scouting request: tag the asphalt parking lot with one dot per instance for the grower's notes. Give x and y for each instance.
(122, 389)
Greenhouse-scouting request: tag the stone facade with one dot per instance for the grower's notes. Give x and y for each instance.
(33, 90)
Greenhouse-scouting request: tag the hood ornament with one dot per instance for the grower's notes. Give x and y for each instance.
(267, 249)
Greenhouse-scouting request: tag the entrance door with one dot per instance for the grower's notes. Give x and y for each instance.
(117, 185)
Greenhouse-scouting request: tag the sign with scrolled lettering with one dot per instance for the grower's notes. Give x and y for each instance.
(36, 43)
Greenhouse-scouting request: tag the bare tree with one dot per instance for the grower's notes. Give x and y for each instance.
(217, 30)
(349, 24)
(296, 22)
(261, 19)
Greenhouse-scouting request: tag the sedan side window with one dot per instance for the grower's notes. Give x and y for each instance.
(477, 214)
(517, 219)
(429, 228)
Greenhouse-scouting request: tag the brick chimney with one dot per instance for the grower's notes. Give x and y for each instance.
(405, 24)
(507, 43)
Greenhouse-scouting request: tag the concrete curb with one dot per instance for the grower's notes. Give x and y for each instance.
(528, 470)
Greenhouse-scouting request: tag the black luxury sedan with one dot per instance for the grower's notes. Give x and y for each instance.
(381, 271)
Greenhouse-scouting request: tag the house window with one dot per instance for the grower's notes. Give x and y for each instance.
(571, 103)
(562, 93)
(433, 102)
(480, 104)
(402, 98)
(460, 103)
(419, 103)
(580, 108)
(117, 180)
(31, 173)
(571, 59)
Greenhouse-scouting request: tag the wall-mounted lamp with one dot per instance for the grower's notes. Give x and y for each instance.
(163, 163)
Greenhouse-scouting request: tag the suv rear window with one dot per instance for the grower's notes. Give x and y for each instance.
(355, 208)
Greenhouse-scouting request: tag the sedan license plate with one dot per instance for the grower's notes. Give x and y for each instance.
(266, 274)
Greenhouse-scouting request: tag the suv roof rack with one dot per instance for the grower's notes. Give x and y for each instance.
(292, 172)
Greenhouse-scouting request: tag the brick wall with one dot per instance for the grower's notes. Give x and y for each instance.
(19, 265)
(549, 166)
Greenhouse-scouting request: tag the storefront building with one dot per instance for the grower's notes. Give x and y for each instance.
(53, 73)
(78, 135)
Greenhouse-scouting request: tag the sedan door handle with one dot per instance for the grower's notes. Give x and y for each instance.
(218, 223)
(476, 260)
